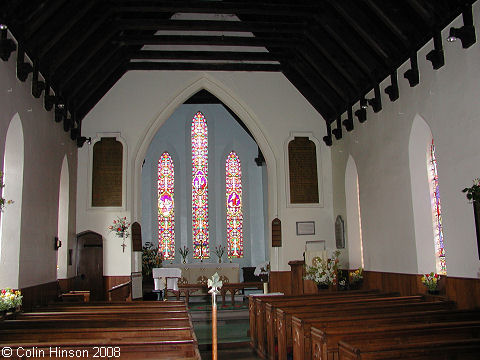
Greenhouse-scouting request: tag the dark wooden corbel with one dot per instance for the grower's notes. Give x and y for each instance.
(412, 74)
(23, 68)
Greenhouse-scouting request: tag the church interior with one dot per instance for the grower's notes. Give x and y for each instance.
(236, 134)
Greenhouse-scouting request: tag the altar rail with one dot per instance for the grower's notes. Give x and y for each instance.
(199, 272)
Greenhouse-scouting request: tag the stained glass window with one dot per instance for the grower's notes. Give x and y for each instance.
(441, 266)
(166, 211)
(233, 183)
(200, 187)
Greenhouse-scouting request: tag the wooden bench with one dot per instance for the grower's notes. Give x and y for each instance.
(265, 326)
(145, 332)
(412, 343)
(257, 308)
(76, 296)
(234, 287)
(325, 335)
(285, 316)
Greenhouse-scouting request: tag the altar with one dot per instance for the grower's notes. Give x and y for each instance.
(199, 272)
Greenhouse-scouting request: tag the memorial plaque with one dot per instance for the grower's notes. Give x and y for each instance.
(302, 160)
(276, 233)
(107, 172)
(340, 233)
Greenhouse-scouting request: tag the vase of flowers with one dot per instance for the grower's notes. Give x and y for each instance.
(219, 251)
(10, 300)
(151, 258)
(120, 227)
(323, 271)
(356, 278)
(431, 282)
(184, 253)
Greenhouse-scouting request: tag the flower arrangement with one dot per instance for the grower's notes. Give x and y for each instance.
(184, 253)
(120, 227)
(219, 251)
(10, 299)
(431, 281)
(356, 276)
(473, 192)
(323, 271)
(3, 201)
(263, 271)
(151, 258)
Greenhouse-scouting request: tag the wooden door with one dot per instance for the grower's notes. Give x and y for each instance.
(90, 265)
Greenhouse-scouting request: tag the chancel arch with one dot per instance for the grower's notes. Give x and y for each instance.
(177, 138)
(11, 217)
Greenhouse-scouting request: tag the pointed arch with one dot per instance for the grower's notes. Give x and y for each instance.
(354, 219)
(234, 203)
(11, 218)
(166, 206)
(420, 163)
(62, 231)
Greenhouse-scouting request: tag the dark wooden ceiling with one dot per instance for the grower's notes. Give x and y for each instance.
(332, 51)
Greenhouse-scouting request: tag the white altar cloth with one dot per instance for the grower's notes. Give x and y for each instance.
(171, 274)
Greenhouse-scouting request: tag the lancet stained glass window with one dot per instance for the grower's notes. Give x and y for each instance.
(166, 210)
(234, 199)
(200, 187)
(441, 266)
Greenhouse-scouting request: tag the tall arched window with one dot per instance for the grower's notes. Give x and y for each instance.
(233, 182)
(441, 265)
(199, 134)
(166, 211)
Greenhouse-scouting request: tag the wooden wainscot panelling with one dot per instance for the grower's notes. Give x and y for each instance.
(39, 295)
(464, 291)
(112, 281)
(280, 281)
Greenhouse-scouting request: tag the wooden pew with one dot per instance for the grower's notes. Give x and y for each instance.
(138, 331)
(439, 341)
(286, 315)
(266, 326)
(257, 308)
(325, 335)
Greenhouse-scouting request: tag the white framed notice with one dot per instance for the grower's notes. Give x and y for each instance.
(305, 227)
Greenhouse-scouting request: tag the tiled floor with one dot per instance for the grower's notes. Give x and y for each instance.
(237, 351)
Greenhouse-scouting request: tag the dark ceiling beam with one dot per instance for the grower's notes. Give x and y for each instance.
(319, 85)
(281, 41)
(389, 23)
(68, 48)
(203, 66)
(210, 25)
(203, 55)
(77, 84)
(95, 96)
(220, 7)
(98, 82)
(42, 44)
(310, 94)
(360, 31)
(426, 15)
(335, 59)
(85, 54)
(46, 10)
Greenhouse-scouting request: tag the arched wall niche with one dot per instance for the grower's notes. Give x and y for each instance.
(354, 234)
(11, 218)
(63, 206)
(419, 141)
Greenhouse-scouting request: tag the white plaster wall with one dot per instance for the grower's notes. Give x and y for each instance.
(46, 144)
(447, 99)
(267, 103)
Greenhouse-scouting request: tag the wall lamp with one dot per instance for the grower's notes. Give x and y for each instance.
(466, 33)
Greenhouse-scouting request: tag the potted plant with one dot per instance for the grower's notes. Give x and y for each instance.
(356, 278)
(151, 258)
(473, 194)
(431, 282)
(323, 271)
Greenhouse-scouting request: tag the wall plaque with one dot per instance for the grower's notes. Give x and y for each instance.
(306, 228)
(340, 233)
(302, 164)
(107, 172)
(276, 233)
